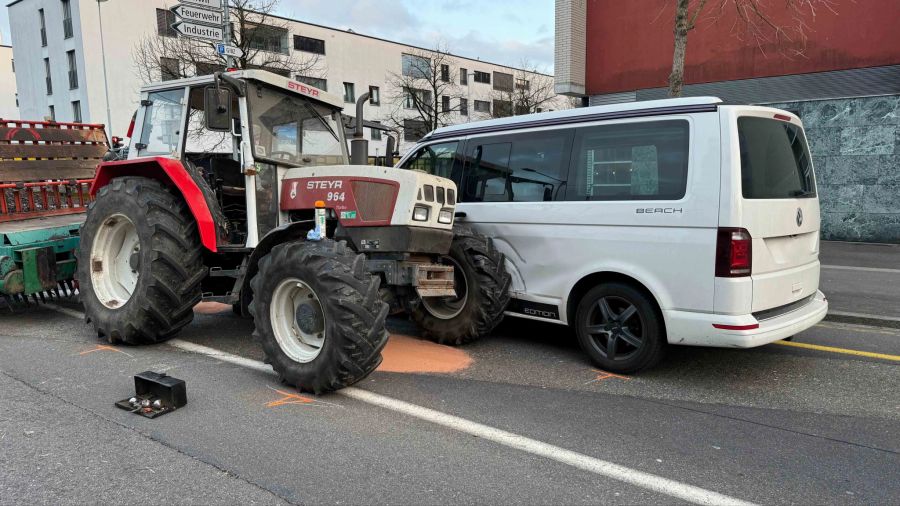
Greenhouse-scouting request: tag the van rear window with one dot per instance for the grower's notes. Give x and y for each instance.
(775, 160)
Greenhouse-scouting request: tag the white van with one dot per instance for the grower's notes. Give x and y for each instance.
(680, 221)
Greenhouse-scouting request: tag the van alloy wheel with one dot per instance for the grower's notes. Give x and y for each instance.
(615, 328)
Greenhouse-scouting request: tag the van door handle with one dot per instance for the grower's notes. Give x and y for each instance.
(460, 214)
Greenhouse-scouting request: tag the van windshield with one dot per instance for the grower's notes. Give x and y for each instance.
(775, 160)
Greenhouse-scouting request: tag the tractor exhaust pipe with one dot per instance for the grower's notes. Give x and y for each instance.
(389, 152)
(359, 146)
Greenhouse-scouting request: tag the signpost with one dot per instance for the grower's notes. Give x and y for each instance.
(207, 20)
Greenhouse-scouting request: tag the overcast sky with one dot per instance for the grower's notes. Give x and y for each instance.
(499, 31)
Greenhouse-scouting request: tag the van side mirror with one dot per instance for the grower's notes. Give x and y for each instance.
(217, 104)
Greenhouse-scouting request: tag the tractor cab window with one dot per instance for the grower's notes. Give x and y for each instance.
(199, 138)
(161, 130)
(290, 129)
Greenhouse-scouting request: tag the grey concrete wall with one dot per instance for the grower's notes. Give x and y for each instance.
(855, 144)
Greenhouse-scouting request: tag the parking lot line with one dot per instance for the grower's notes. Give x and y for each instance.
(861, 269)
(845, 351)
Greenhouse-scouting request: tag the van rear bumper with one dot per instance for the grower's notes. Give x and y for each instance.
(697, 329)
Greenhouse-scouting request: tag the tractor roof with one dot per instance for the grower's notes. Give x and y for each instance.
(285, 83)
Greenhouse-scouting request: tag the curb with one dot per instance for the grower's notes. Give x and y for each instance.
(863, 319)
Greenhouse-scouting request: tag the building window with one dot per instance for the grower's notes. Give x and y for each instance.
(309, 44)
(376, 133)
(43, 28)
(445, 104)
(445, 73)
(503, 82)
(67, 19)
(268, 38)
(73, 70)
(482, 77)
(206, 69)
(349, 93)
(169, 69)
(76, 111)
(164, 21)
(523, 84)
(47, 76)
(413, 130)
(52, 111)
(317, 82)
(464, 107)
(483, 106)
(417, 67)
(464, 77)
(374, 95)
(502, 108)
(417, 99)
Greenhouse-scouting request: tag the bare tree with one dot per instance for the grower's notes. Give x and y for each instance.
(753, 18)
(426, 92)
(261, 36)
(530, 91)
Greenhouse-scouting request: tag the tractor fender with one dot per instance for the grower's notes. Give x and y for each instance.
(285, 233)
(173, 173)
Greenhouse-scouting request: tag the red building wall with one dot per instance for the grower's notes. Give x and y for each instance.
(630, 42)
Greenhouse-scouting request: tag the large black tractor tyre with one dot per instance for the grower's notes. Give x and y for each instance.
(482, 286)
(318, 315)
(159, 260)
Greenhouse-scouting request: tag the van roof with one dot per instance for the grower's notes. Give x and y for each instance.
(581, 114)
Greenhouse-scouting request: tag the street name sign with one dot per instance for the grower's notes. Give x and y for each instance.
(197, 15)
(232, 51)
(209, 4)
(196, 31)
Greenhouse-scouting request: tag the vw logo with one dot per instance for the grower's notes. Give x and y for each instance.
(799, 217)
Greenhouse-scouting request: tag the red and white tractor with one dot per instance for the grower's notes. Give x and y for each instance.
(217, 200)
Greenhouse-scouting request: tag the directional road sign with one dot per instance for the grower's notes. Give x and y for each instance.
(209, 4)
(198, 15)
(196, 31)
(224, 50)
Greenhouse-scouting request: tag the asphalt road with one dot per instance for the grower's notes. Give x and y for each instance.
(862, 279)
(517, 417)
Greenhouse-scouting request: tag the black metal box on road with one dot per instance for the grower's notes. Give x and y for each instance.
(170, 391)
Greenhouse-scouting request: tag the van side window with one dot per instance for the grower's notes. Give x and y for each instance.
(435, 159)
(517, 168)
(634, 161)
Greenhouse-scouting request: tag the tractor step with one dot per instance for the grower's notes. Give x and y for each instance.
(433, 280)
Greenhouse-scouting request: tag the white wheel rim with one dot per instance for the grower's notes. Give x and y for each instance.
(115, 257)
(298, 320)
(448, 308)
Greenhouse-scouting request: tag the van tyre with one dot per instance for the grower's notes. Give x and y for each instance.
(139, 262)
(482, 285)
(620, 328)
(318, 315)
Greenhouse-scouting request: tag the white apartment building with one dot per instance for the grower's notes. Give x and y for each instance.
(9, 107)
(60, 64)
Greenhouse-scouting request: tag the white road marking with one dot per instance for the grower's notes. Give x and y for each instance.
(861, 269)
(66, 311)
(865, 315)
(671, 488)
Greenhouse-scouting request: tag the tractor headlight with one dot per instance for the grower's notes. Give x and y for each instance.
(445, 216)
(420, 213)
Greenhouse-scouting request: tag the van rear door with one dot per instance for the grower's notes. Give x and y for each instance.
(778, 207)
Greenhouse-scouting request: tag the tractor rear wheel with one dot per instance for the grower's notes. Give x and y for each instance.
(139, 262)
(482, 292)
(318, 314)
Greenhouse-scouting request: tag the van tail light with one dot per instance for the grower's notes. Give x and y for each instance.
(734, 253)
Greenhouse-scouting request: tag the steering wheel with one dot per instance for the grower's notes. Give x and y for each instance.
(282, 155)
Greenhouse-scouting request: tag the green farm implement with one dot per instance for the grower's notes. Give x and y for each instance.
(46, 169)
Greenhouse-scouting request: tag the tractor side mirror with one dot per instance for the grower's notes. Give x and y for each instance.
(217, 104)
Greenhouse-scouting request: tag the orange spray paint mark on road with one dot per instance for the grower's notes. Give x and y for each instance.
(289, 398)
(410, 355)
(211, 308)
(604, 375)
(103, 347)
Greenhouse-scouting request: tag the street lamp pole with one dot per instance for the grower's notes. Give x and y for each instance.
(109, 127)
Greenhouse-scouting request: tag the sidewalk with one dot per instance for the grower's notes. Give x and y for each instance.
(861, 282)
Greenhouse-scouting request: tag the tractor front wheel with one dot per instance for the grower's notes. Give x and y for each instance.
(318, 315)
(139, 262)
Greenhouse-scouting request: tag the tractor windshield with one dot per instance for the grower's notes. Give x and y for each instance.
(290, 129)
